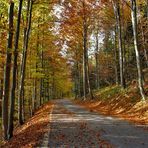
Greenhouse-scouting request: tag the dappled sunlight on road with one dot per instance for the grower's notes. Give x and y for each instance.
(82, 128)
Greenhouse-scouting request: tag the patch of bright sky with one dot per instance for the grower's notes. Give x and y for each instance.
(57, 10)
(92, 41)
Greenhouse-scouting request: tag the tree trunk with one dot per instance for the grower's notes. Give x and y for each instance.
(84, 53)
(42, 66)
(35, 95)
(76, 79)
(41, 80)
(144, 44)
(7, 73)
(134, 23)
(23, 105)
(116, 58)
(23, 70)
(124, 46)
(12, 99)
(97, 62)
(84, 64)
(86, 81)
(147, 7)
(81, 80)
(1, 88)
(118, 19)
(76, 75)
(53, 85)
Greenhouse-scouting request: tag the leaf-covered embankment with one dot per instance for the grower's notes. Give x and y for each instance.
(30, 134)
(118, 102)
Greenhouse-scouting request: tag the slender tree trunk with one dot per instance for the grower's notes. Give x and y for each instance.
(86, 81)
(124, 46)
(144, 44)
(41, 81)
(97, 62)
(116, 57)
(7, 73)
(128, 61)
(1, 88)
(42, 66)
(41, 92)
(79, 81)
(30, 90)
(84, 53)
(32, 101)
(12, 99)
(23, 105)
(84, 63)
(53, 85)
(76, 75)
(24, 59)
(20, 97)
(35, 95)
(30, 104)
(134, 23)
(118, 18)
(120, 46)
(147, 7)
(76, 79)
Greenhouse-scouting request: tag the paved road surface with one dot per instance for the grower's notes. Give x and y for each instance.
(73, 126)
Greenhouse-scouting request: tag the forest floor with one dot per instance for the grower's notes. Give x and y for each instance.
(30, 134)
(122, 103)
(90, 123)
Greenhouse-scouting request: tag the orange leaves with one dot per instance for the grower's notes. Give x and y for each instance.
(119, 104)
(30, 134)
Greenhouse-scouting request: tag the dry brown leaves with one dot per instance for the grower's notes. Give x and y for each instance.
(65, 111)
(30, 134)
(121, 107)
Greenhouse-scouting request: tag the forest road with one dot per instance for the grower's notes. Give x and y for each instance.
(73, 126)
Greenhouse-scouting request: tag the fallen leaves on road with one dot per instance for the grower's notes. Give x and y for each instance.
(67, 130)
(30, 134)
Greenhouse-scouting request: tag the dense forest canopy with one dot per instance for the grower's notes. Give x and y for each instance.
(68, 48)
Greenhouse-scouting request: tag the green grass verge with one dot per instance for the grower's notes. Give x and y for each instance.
(109, 92)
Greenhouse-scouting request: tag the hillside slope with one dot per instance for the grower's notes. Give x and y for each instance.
(115, 101)
(30, 134)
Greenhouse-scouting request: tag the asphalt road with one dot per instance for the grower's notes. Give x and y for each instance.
(73, 126)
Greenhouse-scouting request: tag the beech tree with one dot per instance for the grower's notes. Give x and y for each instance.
(10, 130)
(7, 72)
(24, 58)
(134, 23)
(116, 5)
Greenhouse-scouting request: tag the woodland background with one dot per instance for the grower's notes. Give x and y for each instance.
(71, 48)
